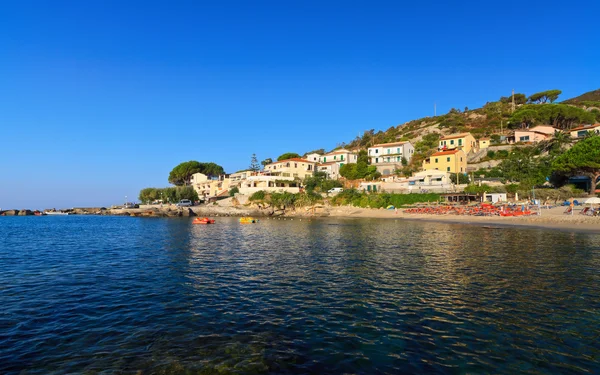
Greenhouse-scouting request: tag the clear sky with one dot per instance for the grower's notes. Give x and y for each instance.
(99, 99)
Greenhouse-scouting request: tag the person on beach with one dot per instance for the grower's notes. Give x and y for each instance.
(571, 205)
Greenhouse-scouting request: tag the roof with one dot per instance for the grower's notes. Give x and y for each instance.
(293, 159)
(442, 153)
(484, 139)
(583, 127)
(390, 144)
(453, 136)
(338, 152)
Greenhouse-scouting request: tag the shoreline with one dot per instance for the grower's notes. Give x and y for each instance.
(552, 218)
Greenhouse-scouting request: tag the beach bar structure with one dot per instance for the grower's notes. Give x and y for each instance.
(460, 198)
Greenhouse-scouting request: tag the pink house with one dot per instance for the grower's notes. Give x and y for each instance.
(535, 134)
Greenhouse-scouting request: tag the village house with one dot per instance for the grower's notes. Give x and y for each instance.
(420, 182)
(453, 161)
(483, 143)
(295, 168)
(387, 157)
(390, 152)
(266, 183)
(536, 134)
(331, 162)
(314, 157)
(464, 141)
(582, 131)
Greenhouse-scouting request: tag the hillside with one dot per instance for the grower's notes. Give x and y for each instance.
(591, 96)
(494, 119)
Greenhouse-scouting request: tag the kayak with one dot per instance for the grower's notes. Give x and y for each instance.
(203, 220)
(248, 220)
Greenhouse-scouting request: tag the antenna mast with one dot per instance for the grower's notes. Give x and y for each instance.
(513, 100)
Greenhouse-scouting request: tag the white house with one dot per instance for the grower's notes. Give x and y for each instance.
(342, 156)
(314, 157)
(390, 152)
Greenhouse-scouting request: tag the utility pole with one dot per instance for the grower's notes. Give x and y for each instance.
(434, 110)
(513, 100)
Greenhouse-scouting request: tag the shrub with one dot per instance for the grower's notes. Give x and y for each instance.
(257, 196)
(233, 191)
(491, 154)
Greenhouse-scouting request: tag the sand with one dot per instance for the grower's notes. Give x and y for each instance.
(553, 218)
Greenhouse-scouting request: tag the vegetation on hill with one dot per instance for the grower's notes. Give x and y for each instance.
(168, 195)
(182, 173)
(591, 96)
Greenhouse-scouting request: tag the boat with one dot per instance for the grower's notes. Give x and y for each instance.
(38, 213)
(203, 220)
(57, 213)
(248, 220)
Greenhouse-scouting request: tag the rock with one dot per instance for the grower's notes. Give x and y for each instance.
(11, 213)
(25, 213)
(187, 212)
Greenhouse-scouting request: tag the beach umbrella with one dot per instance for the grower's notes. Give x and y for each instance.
(593, 200)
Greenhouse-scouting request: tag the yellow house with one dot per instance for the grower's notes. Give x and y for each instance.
(484, 143)
(453, 161)
(297, 168)
(463, 141)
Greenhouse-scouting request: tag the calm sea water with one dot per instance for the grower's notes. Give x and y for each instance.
(161, 296)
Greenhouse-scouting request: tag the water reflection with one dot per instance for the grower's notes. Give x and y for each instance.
(282, 296)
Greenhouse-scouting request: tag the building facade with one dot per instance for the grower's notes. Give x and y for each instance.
(583, 131)
(295, 168)
(463, 141)
(390, 152)
(453, 161)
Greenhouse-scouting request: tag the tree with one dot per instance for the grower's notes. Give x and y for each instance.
(583, 158)
(545, 96)
(182, 173)
(523, 118)
(267, 161)
(288, 155)
(519, 99)
(254, 166)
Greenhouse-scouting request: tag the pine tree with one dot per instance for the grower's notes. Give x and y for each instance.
(254, 166)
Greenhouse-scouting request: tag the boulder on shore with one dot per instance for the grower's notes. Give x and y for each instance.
(25, 213)
(11, 213)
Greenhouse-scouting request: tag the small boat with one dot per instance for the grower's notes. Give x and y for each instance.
(38, 213)
(248, 220)
(203, 220)
(57, 213)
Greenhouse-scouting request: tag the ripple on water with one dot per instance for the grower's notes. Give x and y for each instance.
(124, 295)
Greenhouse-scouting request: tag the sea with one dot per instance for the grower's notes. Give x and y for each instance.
(124, 295)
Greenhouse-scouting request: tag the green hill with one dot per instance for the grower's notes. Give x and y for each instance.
(589, 99)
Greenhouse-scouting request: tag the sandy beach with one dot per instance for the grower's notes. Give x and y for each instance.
(554, 218)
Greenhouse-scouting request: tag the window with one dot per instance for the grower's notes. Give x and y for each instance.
(324, 159)
(295, 165)
(436, 160)
(448, 159)
(388, 159)
(376, 160)
(452, 141)
(524, 138)
(580, 134)
(448, 169)
(461, 158)
(460, 142)
(377, 151)
(342, 157)
(341, 164)
(334, 157)
(398, 150)
(388, 151)
(287, 165)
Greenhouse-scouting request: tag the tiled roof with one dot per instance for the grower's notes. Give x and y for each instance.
(453, 136)
(293, 159)
(390, 144)
(441, 153)
(585, 127)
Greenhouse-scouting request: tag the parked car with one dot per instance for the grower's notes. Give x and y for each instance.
(185, 203)
(335, 190)
(131, 205)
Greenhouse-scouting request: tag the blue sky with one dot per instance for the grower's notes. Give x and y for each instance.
(99, 99)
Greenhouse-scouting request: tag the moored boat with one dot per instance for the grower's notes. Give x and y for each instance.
(248, 220)
(203, 220)
(57, 213)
